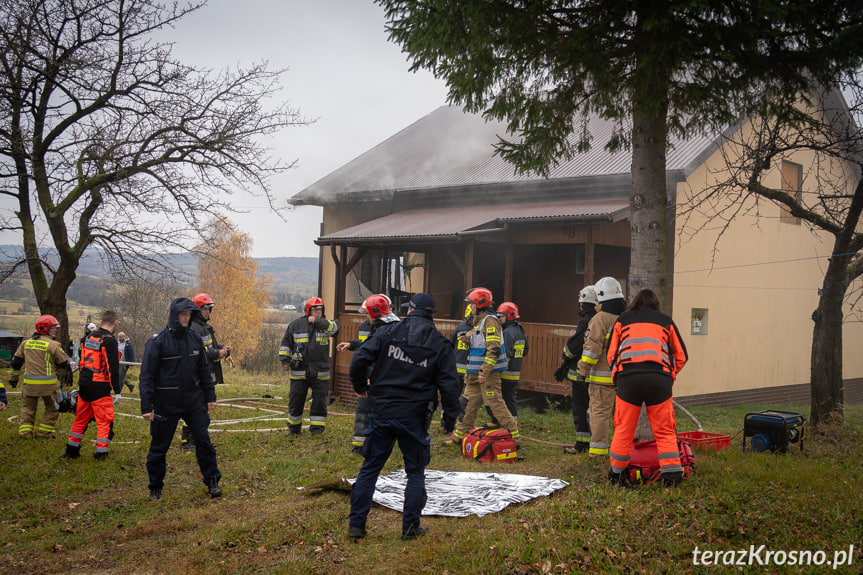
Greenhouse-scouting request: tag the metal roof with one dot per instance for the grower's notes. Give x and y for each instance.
(452, 223)
(8, 334)
(450, 148)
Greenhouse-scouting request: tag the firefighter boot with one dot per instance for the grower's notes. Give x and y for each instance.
(72, 452)
(187, 442)
(213, 488)
(100, 456)
(672, 479)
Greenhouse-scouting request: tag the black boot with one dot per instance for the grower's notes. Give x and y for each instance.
(672, 479)
(213, 488)
(131, 386)
(72, 452)
(155, 494)
(100, 456)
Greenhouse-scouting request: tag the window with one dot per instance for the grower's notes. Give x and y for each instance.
(792, 180)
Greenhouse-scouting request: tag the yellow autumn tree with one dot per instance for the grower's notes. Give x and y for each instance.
(226, 271)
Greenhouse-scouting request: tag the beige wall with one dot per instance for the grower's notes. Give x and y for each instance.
(760, 294)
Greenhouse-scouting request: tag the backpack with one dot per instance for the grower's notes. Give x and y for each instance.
(644, 461)
(484, 444)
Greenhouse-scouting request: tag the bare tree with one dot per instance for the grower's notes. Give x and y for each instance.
(824, 127)
(107, 141)
(143, 304)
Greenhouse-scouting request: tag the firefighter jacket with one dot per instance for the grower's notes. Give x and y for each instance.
(99, 366)
(306, 346)
(486, 353)
(593, 364)
(646, 341)
(41, 364)
(3, 393)
(211, 347)
(413, 362)
(363, 334)
(515, 344)
(175, 374)
(461, 347)
(574, 345)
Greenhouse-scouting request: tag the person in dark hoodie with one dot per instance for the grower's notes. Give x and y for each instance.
(412, 362)
(176, 383)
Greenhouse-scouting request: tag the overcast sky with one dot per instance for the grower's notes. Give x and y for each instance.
(343, 72)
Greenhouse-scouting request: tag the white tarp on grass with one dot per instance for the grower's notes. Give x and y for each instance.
(462, 493)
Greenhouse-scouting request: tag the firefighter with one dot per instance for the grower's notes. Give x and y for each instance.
(215, 353)
(486, 361)
(2, 397)
(516, 346)
(99, 374)
(305, 352)
(413, 363)
(567, 369)
(44, 365)
(593, 366)
(646, 352)
(379, 309)
(175, 382)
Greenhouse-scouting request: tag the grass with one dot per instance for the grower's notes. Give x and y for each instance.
(59, 516)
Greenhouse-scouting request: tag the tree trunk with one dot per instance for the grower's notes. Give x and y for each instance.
(827, 386)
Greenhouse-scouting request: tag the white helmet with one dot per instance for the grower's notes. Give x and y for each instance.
(608, 288)
(587, 295)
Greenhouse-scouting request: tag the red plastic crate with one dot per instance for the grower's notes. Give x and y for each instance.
(705, 440)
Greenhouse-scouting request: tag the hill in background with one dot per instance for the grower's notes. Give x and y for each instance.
(293, 279)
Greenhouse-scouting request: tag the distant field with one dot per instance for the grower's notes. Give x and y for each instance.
(17, 317)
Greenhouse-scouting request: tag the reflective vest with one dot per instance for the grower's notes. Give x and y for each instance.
(646, 341)
(94, 359)
(476, 355)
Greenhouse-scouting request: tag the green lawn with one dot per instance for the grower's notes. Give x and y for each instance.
(80, 516)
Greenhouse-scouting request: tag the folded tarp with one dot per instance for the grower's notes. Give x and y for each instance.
(461, 493)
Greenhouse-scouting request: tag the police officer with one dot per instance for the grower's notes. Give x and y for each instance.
(42, 364)
(215, 352)
(593, 366)
(412, 362)
(379, 309)
(516, 346)
(175, 383)
(567, 370)
(305, 352)
(99, 375)
(486, 361)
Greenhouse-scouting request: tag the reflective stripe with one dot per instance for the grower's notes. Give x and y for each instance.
(511, 375)
(45, 427)
(25, 428)
(78, 436)
(598, 451)
(567, 353)
(622, 458)
(600, 376)
(297, 421)
(582, 437)
(40, 379)
(73, 442)
(669, 455)
(671, 468)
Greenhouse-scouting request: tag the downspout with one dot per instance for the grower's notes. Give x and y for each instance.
(336, 307)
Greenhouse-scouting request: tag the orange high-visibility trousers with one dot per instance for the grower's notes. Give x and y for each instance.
(102, 410)
(647, 388)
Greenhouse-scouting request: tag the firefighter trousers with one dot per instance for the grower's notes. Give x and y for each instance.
(102, 410)
(297, 400)
(580, 406)
(509, 391)
(654, 390)
(600, 411)
(30, 397)
(489, 393)
(361, 420)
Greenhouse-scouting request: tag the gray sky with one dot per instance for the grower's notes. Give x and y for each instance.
(342, 71)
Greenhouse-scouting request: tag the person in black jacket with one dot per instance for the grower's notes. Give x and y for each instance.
(461, 353)
(412, 362)
(571, 354)
(175, 383)
(305, 352)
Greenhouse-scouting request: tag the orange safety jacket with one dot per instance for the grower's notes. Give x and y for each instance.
(645, 341)
(94, 359)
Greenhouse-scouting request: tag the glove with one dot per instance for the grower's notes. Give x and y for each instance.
(13, 381)
(117, 398)
(560, 372)
(448, 422)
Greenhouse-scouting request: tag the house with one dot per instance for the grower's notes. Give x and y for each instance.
(433, 209)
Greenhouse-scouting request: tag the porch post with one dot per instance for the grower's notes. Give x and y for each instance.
(507, 273)
(589, 247)
(468, 265)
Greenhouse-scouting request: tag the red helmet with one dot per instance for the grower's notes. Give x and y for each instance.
(377, 306)
(45, 323)
(314, 302)
(480, 296)
(509, 309)
(203, 299)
